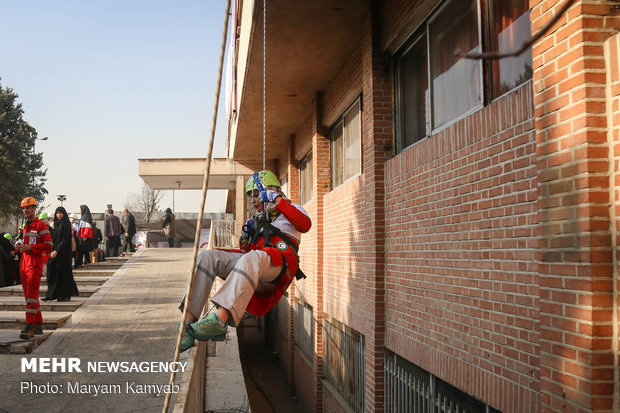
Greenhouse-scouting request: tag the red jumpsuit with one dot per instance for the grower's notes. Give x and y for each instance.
(37, 235)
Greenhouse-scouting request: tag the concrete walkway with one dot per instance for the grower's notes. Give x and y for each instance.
(131, 319)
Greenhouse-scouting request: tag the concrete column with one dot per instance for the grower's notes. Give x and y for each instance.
(240, 204)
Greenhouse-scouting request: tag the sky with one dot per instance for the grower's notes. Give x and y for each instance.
(108, 82)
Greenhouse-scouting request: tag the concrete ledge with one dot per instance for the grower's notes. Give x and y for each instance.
(225, 386)
(191, 395)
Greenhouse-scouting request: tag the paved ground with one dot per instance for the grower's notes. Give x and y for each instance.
(131, 319)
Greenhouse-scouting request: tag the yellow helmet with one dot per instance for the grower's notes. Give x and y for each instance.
(267, 178)
(28, 201)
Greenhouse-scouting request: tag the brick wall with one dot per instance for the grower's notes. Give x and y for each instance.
(490, 241)
(573, 168)
(612, 59)
(344, 88)
(461, 284)
(305, 383)
(377, 139)
(344, 206)
(287, 354)
(333, 402)
(344, 251)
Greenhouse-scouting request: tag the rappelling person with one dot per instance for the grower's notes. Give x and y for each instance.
(35, 242)
(258, 273)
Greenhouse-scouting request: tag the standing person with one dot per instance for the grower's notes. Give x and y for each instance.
(258, 274)
(129, 223)
(43, 217)
(84, 237)
(112, 233)
(36, 240)
(19, 238)
(7, 268)
(169, 227)
(97, 238)
(60, 282)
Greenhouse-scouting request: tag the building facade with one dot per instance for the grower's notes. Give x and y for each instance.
(464, 239)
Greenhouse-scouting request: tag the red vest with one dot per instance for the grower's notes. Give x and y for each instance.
(37, 235)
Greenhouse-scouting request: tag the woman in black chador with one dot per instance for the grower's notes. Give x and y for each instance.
(60, 282)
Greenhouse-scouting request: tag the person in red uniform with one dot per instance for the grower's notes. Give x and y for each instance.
(36, 241)
(257, 274)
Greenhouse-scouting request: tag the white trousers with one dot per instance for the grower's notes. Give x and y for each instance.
(242, 274)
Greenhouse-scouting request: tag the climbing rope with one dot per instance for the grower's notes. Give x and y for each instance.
(264, 82)
(205, 185)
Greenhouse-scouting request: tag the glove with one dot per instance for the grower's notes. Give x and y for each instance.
(248, 229)
(267, 195)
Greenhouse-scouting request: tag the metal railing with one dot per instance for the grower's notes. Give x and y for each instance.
(223, 234)
(406, 393)
(343, 362)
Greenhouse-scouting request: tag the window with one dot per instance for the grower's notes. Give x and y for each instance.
(306, 178)
(435, 87)
(414, 98)
(407, 384)
(346, 160)
(510, 29)
(343, 362)
(455, 81)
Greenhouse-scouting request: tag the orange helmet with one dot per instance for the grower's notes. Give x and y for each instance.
(28, 201)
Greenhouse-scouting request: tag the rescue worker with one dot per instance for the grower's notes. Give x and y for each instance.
(256, 275)
(36, 241)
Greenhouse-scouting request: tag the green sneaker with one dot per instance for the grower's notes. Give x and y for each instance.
(208, 328)
(187, 341)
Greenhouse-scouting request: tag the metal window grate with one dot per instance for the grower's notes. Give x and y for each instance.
(409, 389)
(343, 362)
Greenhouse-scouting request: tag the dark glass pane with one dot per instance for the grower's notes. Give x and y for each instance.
(413, 68)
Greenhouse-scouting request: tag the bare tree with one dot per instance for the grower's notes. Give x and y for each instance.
(143, 204)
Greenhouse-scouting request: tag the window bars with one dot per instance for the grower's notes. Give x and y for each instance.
(343, 362)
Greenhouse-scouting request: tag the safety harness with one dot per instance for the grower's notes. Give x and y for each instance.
(263, 224)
